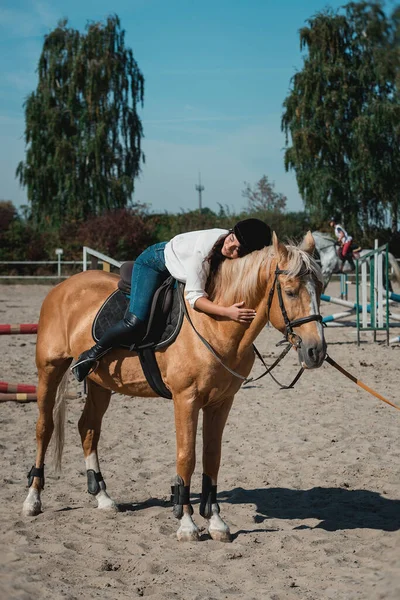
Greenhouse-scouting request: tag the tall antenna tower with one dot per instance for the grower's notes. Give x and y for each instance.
(200, 189)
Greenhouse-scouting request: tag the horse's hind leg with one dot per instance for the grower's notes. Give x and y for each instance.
(49, 378)
(214, 419)
(89, 425)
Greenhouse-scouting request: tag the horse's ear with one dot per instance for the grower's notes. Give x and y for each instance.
(279, 249)
(308, 243)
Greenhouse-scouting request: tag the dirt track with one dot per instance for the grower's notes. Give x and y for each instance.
(309, 484)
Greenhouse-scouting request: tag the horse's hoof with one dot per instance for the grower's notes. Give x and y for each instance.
(111, 505)
(218, 529)
(188, 530)
(186, 535)
(104, 502)
(220, 536)
(30, 509)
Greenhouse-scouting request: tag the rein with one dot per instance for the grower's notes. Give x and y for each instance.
(330, 361)
(293, 339)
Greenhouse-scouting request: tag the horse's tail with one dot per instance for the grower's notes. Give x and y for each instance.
(395, 266)
(59, 414)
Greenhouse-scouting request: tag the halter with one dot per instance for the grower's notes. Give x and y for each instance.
(290, 336)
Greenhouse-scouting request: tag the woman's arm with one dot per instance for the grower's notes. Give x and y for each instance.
(236, 312)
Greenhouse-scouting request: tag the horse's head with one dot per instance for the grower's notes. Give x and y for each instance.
(293, 299)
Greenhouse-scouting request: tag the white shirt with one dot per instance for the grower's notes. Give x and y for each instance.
(346, 237)
(184, 259)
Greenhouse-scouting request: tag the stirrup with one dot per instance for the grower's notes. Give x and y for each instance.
(88, 359)
(78, 376)
(93, 368)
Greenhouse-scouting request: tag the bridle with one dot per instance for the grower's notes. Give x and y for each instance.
(290, 336)
(293, 339)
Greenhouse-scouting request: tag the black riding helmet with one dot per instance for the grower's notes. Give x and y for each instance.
(252, 234)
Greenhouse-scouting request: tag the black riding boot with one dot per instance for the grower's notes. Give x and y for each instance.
(351, 262)
(128, 331)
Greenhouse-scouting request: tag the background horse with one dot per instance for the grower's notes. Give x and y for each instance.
(282, 283)
(330, 261)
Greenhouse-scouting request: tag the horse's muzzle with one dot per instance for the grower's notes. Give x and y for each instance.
(311, 353)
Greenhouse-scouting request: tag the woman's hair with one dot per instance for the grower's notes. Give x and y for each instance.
(214, 258)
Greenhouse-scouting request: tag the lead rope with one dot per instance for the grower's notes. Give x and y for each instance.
(245, 380)
(354, 379)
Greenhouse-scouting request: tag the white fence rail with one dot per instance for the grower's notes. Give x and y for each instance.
(106, 261)
(91, 259)
(59, 264)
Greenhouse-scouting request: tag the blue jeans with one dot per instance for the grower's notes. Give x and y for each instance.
(148, 273)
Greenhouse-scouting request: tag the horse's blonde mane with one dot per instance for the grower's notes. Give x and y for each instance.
(241, 279)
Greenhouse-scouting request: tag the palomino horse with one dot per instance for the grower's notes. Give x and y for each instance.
(330, 261)
(282, 283)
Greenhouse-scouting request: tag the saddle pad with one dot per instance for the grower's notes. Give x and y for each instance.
(114, 308)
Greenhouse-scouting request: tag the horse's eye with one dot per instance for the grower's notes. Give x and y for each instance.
(290, 293)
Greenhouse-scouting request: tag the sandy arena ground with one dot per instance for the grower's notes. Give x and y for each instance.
(309, 484)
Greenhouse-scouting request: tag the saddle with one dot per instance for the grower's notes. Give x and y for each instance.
(355, 250)
(163, 326)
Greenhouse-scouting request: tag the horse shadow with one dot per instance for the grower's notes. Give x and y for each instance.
(335, 508)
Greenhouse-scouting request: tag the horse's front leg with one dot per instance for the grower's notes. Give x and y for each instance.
(89, 426)
(186, 418)
(214, 420)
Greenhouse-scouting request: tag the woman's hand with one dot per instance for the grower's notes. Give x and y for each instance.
(239, 314)
(233, 313)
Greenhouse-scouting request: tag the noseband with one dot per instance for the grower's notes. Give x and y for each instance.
(290, 336)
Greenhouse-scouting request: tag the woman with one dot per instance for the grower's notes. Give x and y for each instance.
(345, 241)
(193, 258)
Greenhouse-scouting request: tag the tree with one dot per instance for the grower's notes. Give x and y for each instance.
(263, 197)
(342, 115)
(83, 133)
(8, 213)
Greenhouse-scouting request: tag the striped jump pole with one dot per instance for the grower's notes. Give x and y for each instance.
(26, 397)
(18, 397)
(392, 296)
(24, 388)
(394, 339)
(337, 316)
(343, 302)
(353, 305)
(8, 329)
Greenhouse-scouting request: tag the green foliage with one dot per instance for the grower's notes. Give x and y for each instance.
(342, 115)
(122, 234)
(125, 233)
(83, 133)
(8, 213)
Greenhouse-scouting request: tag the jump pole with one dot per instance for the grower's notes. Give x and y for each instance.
(23, 397)
(18, 328)
(18, 397)
(337, 316)
(17, 392)
(23, 388)
(346, 303)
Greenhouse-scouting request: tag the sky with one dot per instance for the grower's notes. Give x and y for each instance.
(216, 76)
